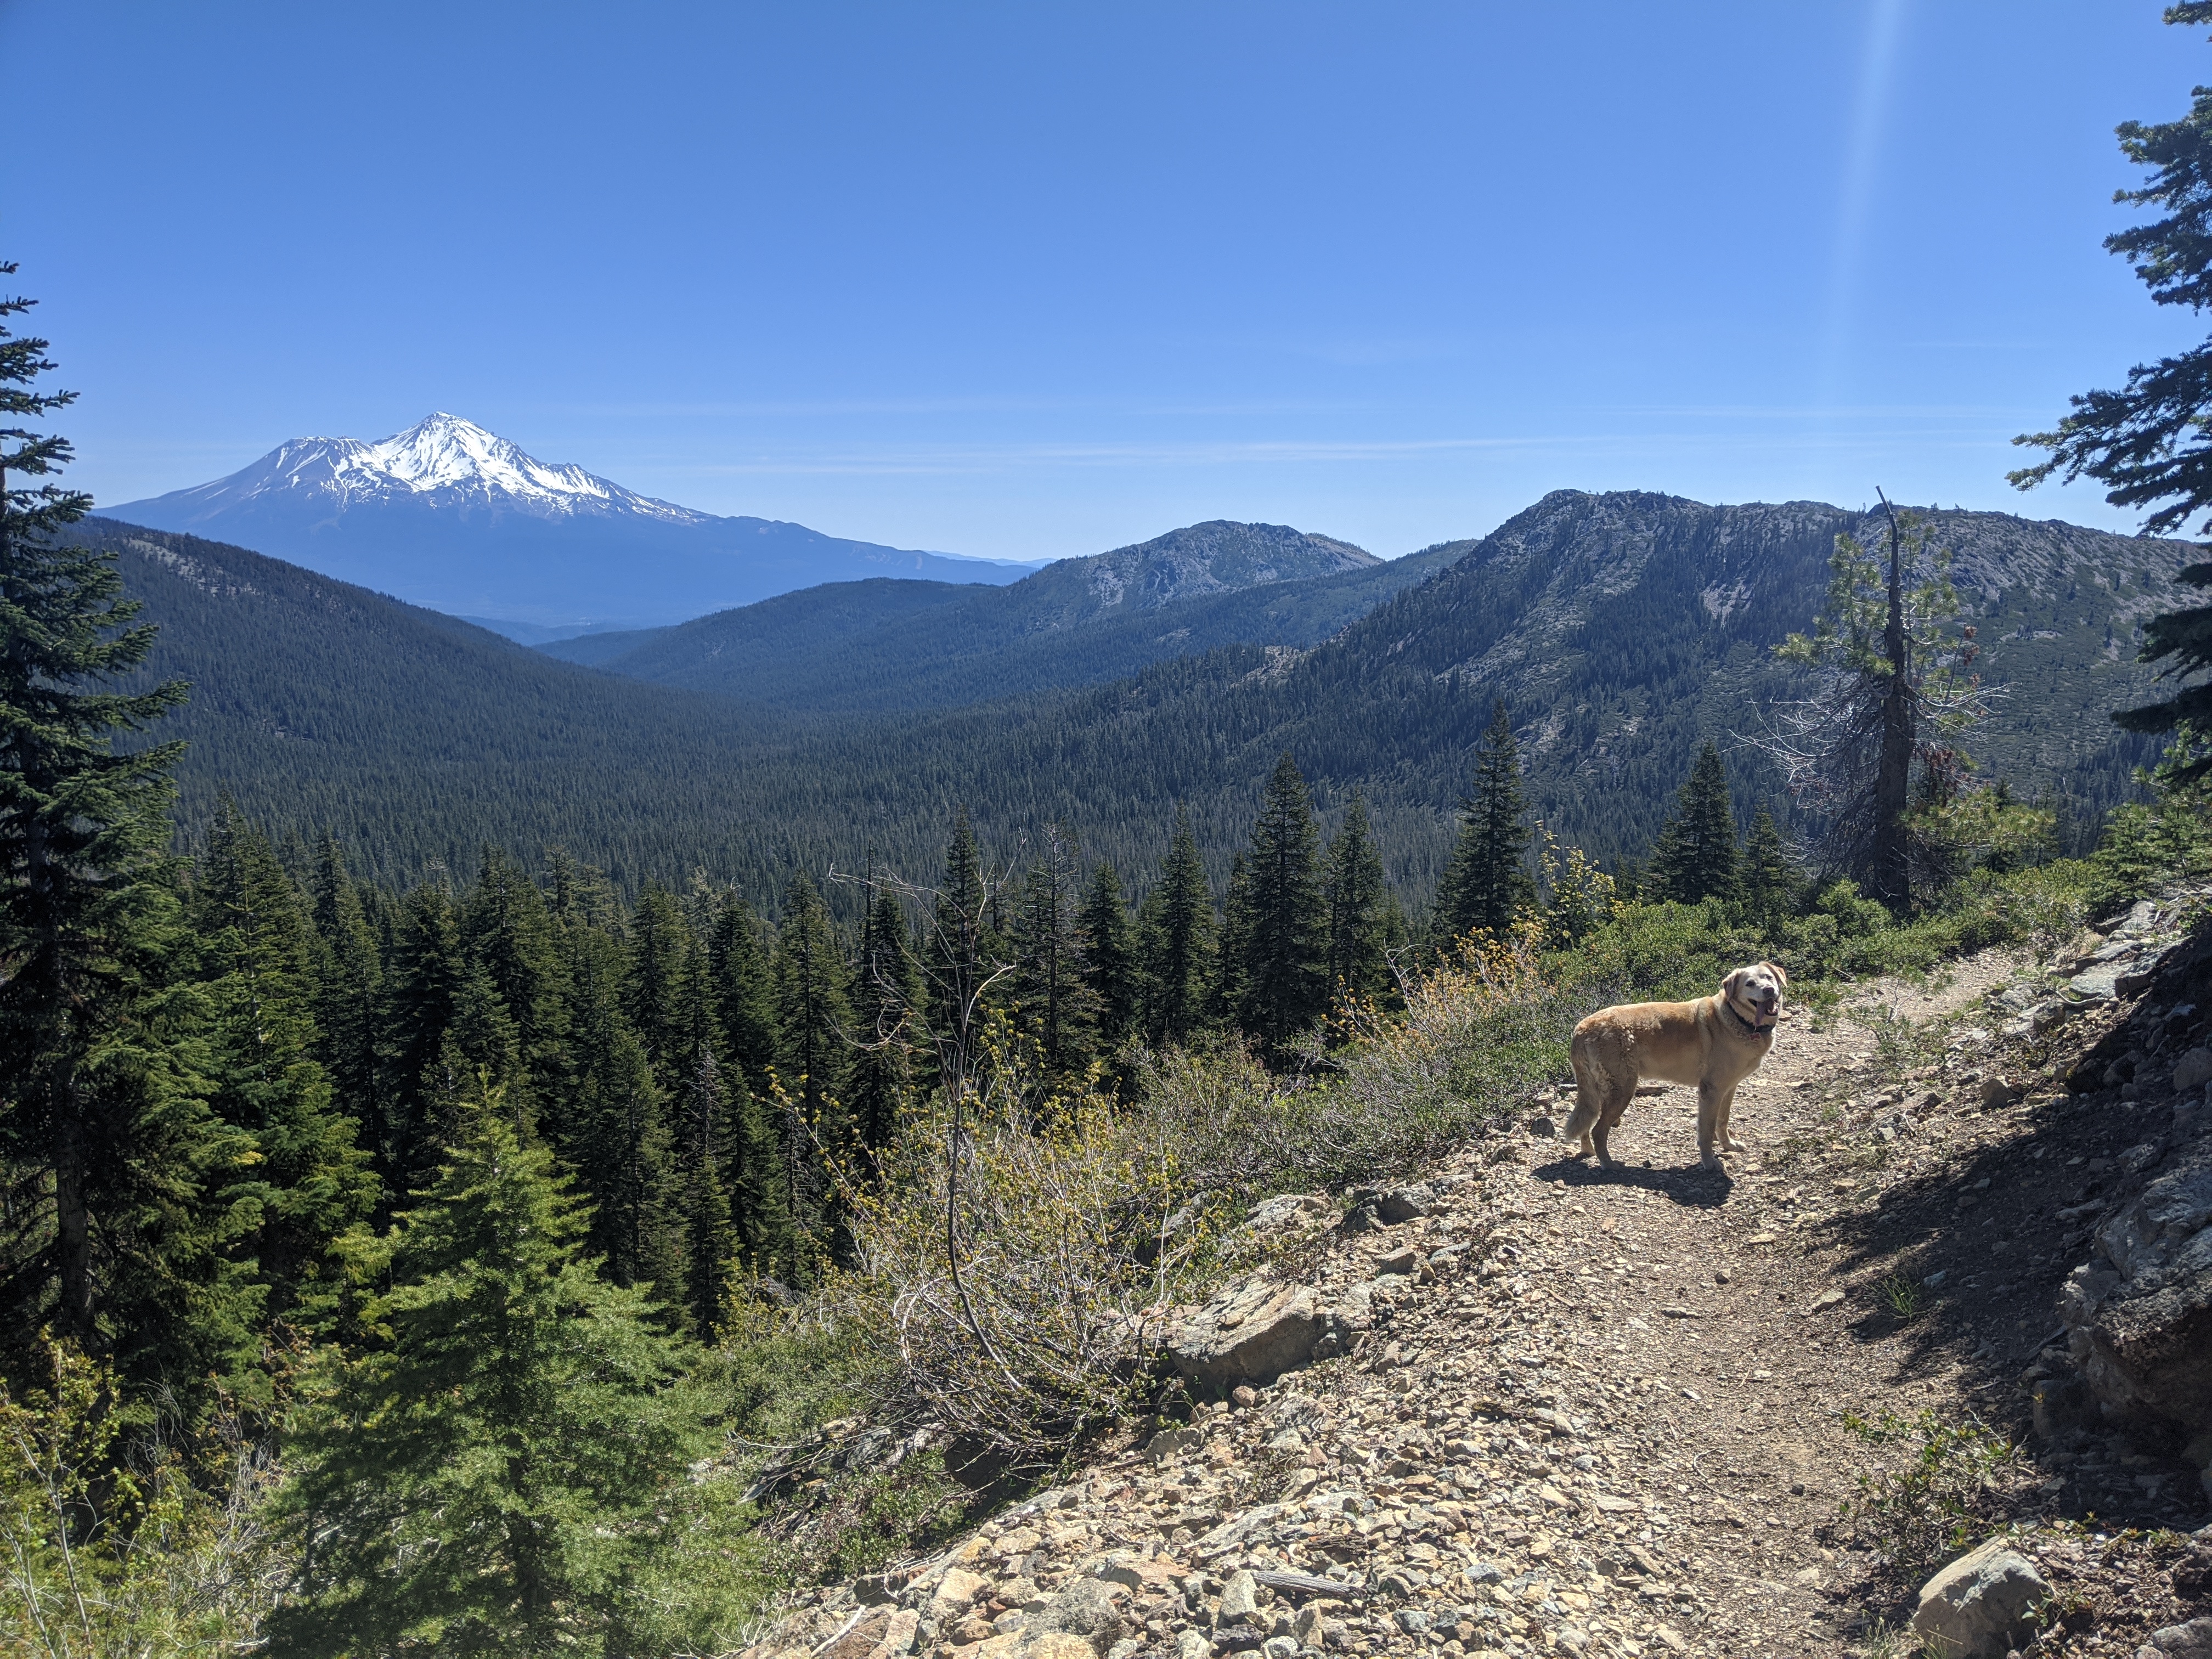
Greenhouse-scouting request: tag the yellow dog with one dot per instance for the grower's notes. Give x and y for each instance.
(1715, 1042)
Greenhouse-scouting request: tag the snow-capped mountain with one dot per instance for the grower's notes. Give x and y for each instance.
(444, 459)
(451, 516)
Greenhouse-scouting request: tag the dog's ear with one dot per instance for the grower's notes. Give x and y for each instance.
(1775, 969)
(1733, 982)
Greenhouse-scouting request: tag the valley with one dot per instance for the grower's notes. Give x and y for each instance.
(848, 721)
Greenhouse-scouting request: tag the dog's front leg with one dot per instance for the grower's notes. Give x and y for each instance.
(1712, 1112)
(1728, 1143)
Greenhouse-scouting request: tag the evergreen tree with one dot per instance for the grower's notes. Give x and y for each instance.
(493, 1477)
(656, 997)
(1176, 940)
(744, 992)
(1488, 885)
(307, 1182)
(886, 994)
(961, 962)
(1284, 982)
(815, 1018)
(1049, 984)
(1110, 956)
(508, 933)
(741, 991)
(1769, 883)
(706, 1143)
(349, 1002)
(1231, 947)
(614, 1131)
(1363, 916)
(2148, 441)
(421, 983)
(104, 1135)
(1695, 858)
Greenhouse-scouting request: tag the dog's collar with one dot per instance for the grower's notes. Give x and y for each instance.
(1750, 1025)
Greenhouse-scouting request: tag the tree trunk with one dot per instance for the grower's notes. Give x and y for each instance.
(72, 1222)
(1892, 866)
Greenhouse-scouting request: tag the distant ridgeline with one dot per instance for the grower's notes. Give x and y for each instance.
(850, 721)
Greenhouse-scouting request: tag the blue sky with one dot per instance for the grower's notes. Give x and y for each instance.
(1029, 281)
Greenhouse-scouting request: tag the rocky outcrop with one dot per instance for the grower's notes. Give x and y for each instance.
(2139, 1316)
(2138, 1313)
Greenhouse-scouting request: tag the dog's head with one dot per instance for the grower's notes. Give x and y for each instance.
(1755, 994)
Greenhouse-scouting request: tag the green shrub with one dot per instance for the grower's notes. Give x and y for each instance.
(1944, 1492)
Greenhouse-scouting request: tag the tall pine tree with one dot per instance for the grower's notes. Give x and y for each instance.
(1696, 858)
(1055, 1003)
(105, 1139)
(886, 1003)
(1770, 885)
(744, 992)
(1175, 942)
(307, 1180)
(1285, 981)
(815, 1015)
(1363, 916)
(349, 1002)
(1488, 887)
(1110, 956)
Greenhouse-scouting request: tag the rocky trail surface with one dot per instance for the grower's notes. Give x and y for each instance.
(1529, 1406)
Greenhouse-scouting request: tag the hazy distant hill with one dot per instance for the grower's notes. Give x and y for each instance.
(1623, 628)
(448, 516)
(876, 645)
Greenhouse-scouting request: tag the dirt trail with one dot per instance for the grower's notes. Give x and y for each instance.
(1715, 1308)
(1598, 1412)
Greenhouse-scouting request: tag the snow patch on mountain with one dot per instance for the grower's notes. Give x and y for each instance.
(443, 460)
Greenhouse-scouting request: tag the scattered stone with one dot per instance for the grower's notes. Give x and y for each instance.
(956, 1593)
(2193, 1071)
(1084, 1611)
(1239, 1597)
(1982, 1605)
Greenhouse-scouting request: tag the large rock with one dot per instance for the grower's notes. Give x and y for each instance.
(2190, 1641)
(2139, 1316)
(1084, 1613)
(1258, 1330)
(1982, 1605)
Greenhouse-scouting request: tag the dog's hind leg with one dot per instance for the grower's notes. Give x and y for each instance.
(1590, 1096)
(1618, 1093)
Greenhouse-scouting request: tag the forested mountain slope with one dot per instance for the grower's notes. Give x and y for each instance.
(1623, 628)
(860, 645)
(414, 736)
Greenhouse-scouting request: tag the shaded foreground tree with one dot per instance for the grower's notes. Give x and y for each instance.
(106, 1143)
(488, 1477)
(2151, 441)
(1889, 690)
